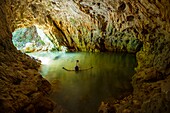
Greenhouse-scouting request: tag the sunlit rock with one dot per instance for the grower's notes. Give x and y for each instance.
(29, 47)
(83, 25)
(32, 39)
(103, 108)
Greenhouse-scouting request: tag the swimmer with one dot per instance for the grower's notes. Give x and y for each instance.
(77, 68)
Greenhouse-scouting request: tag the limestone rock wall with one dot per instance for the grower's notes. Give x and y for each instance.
(80, 25)
(22, 88)
(105, 25)
(151, 82)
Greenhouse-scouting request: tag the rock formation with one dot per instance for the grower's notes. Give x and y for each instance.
(92, 25)
(79, 25)
(22, 88)
(31, 39)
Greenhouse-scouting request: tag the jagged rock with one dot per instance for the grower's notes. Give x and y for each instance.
(29, 47)
(82, 25)
(95, 33)
(20, 82)
(31, 39)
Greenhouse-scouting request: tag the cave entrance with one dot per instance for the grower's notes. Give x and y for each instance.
(35, 43)
(32, 39)
(78, 91)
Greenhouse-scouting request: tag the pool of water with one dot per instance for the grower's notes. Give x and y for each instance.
(83, 91)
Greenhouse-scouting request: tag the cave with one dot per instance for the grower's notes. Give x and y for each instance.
(124, 27)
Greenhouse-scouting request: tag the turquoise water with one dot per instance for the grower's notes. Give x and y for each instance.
(83, 91)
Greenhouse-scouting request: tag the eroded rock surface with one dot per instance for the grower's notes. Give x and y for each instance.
(22, 88)
(31, 39)
(101, 25)
(80, 25)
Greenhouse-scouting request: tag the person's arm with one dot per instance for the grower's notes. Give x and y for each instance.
(67, 69)
(86, 69)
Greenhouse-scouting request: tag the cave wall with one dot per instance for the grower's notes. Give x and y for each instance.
(22, 88)
(103, 25)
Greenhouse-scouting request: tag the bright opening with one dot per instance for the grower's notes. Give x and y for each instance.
(33, 40)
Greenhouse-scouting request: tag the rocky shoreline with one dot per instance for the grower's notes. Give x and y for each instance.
(80, 25)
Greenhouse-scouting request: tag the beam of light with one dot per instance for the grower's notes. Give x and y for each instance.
(42, 35)
(63, 49)
(44, 60)
(44, 38)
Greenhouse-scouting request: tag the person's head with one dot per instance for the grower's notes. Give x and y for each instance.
(77, 61)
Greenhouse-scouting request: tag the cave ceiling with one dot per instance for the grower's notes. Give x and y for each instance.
(91, 25)
(85, 25)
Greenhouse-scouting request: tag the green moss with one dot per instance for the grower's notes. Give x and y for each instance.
(41, 42)
(84, 29)
(72, 21)
(110, 29)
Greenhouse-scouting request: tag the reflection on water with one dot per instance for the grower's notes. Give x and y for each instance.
(83, 91)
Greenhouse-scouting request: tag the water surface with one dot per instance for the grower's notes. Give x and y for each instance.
(83, 91)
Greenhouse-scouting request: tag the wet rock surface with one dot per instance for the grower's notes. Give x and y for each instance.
(23, 89)
(85, 25)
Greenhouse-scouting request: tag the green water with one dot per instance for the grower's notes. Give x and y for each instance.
(83, 91)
